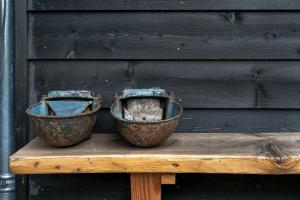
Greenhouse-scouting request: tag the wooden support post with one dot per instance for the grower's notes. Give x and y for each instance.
(145, 186)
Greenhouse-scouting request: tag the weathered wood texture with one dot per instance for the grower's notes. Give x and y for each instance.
(239, 120)
(164, 35)
(168, 179)
(199, 84)
(233, 86)
(269, 153)
(220, 120)
(223, 96)
(164, 5)
(145, 186)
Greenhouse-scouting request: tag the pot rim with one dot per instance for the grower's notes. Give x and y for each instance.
(97, 100)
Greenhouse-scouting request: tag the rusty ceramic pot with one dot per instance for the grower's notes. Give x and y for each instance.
(64, 118)
(138, 119)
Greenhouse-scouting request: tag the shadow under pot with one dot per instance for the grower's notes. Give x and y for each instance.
(64, 118)
(146, 117)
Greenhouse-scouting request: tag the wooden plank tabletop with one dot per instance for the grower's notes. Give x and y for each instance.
(262, 153)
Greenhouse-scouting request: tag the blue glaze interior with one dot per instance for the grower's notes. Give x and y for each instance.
(40, 109)
(61, 107)
(64, 103)
(67, 108)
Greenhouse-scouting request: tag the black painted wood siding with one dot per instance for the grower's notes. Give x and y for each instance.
(235, 64)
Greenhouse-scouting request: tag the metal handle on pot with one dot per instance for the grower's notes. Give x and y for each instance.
(170, 105)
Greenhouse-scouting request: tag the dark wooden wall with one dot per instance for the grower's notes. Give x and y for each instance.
(235, 64)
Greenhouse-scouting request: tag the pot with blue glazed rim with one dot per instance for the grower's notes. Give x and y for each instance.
(146, 117)
(65, 118)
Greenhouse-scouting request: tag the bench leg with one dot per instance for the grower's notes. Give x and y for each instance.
(145, 186)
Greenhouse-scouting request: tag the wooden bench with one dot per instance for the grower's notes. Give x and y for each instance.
(234, 153)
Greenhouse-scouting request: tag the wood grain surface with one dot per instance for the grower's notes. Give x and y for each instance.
(199, 84)
(46, 5)
(168, 179)
(145, 186)
(164, 35)
(268, 153)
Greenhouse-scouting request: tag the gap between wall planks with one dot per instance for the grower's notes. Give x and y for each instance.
(50, 5)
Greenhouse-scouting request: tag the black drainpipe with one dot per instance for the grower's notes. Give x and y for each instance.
(7, 132)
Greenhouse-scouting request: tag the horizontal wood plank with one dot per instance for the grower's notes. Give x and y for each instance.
(239, 120)
(220, 120)
(199, 84)
(164, 5)
(164, 35)
(269, 153)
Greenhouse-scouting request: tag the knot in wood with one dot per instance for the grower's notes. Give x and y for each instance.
(279, 156)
